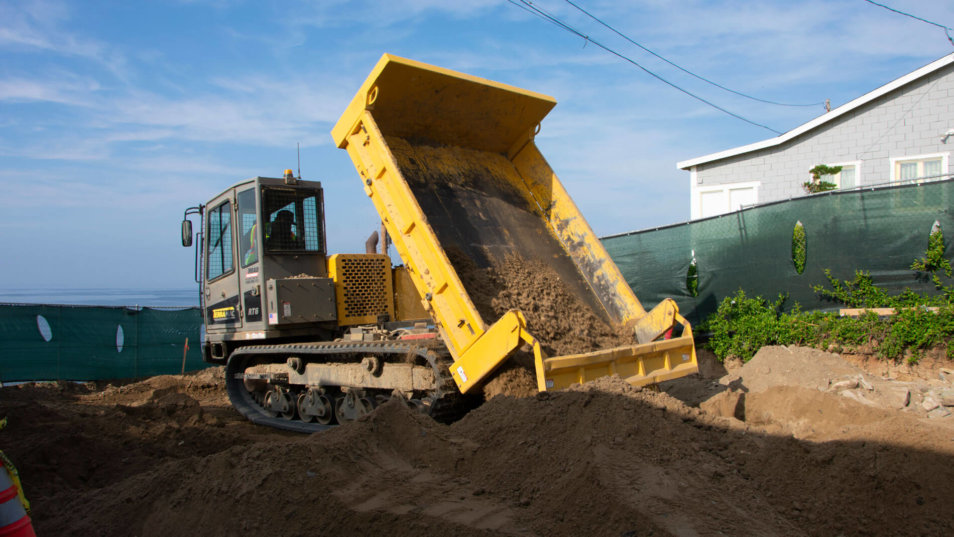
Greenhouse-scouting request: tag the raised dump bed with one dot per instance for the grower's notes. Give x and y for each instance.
(489, 234)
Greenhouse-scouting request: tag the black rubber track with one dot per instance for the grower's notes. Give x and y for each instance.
(260, 354)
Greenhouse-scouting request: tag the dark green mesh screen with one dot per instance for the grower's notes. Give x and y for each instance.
(44, 342)
(877, 230)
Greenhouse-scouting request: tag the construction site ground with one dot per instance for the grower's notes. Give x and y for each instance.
(795, 442)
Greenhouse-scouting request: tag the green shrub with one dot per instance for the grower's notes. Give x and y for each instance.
(934, 261)
(861, 292)
(817, 184)
(692, 279)
(799, 247)
(742, 325)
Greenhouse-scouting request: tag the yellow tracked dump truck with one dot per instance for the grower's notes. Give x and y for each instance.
(450, 164)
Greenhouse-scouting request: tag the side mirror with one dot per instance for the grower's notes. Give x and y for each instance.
(187, 233)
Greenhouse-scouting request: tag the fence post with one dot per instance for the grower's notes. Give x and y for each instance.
(59, 355)
(185, 349)
(138, 341)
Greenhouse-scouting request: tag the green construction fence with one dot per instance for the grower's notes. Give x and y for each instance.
(53, 342)
(879, 230)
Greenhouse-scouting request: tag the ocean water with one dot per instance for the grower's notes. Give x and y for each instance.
(153, 298)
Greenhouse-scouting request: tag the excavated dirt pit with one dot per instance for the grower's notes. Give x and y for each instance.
(167, 456)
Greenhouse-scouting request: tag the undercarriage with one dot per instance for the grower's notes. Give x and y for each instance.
(309, 387)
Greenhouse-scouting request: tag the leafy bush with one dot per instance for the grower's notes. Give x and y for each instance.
(799, 247)
(692, 279)
(813, 187)
(817, 184)
(742, 325)
(861, 292)
(934, 261)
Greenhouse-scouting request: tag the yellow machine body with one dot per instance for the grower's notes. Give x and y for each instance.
(450, 163)
(363, 288)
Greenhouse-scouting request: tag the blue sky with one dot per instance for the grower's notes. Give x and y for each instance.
(116, 116)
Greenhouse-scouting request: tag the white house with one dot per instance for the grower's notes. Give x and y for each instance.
(902, 131)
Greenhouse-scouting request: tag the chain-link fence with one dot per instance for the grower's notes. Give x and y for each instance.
(881, 230)
(52, 342)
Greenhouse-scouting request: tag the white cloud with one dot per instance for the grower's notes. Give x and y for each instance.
(371, 13)
(129, 186)
(63, 88)
(95, 124)
(37, 24)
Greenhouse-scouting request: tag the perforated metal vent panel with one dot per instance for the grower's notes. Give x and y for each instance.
(363, 287)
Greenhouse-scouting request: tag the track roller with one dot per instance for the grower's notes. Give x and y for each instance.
(279, 402)
(314, 405)
(352, 406)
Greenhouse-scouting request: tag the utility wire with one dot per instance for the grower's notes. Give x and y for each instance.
(688, 72)
(941, 26)
(529, 6)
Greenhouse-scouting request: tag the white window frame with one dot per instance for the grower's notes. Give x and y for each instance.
(857, 166)
(696, 192)
(894, 161)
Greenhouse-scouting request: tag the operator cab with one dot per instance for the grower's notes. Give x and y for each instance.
(261, 262)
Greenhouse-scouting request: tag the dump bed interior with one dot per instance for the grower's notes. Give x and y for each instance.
(449, 161)
(473, 203)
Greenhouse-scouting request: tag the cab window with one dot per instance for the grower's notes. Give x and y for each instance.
(220, 241)
(248, 227)
(292, 220)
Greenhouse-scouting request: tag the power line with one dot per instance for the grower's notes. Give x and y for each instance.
(899, 12)
(529, 6)
(688, 72)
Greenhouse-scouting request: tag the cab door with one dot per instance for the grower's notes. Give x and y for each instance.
(222, 309)
(250, 235)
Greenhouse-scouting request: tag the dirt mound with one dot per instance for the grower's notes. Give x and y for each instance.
(817, 370)
(603, 458)
(205, 384)
(776, 366)
(512, 380)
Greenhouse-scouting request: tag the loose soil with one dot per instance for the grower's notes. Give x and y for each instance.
(556, 317)
(562, 322)
(168, 456)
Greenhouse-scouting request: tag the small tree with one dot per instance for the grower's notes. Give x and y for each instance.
(816, 184)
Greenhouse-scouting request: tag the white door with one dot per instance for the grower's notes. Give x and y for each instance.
(739, 197)
(712, 203)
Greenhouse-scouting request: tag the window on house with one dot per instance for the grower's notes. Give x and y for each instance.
(713, 201)
(846, 178)
(741, 197)
(928, 167)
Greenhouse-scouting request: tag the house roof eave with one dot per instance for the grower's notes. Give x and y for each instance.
(825, 118)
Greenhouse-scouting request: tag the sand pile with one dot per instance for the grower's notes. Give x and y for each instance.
(604, 459)
(562, 322)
